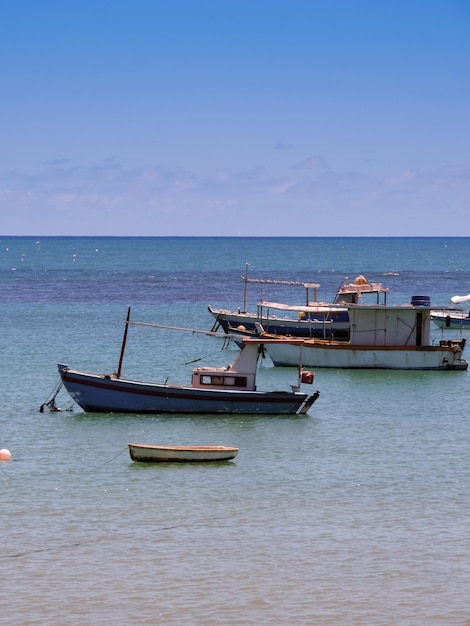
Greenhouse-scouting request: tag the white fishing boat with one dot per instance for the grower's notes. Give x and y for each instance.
(453, 318)
(147, 453)
(382, 337)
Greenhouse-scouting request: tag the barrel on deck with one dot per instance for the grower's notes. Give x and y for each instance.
(421, 301)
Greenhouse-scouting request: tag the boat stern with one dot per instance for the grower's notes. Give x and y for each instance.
(308, 402)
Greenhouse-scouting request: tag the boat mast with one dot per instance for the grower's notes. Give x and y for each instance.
(123, 347)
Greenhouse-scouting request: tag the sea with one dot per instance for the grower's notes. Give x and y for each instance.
(357, 513)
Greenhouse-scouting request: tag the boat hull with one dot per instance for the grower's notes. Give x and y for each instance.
(324, 325)
(109, 394)
(454, 321)
(146, 453)
(340, 355)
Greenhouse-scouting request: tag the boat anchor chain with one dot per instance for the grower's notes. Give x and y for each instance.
(51, 405)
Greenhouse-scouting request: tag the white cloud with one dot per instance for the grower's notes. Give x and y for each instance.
(281, 188)
(400, 178)
(109, 198)
(312, 164)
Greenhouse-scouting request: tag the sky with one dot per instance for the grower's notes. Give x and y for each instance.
(235, 117)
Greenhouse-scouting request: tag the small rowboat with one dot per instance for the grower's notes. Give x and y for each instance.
(146, 453)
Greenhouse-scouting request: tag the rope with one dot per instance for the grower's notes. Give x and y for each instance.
(195, 360)
(225, 346)
(76, 544)
(51, 405)
(227, 342)
(115, 457)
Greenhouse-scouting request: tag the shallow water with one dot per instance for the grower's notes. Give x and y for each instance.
(354, 514)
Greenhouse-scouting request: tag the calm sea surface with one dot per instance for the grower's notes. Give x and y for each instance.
(357, 513)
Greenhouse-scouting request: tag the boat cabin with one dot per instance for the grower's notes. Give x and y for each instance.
(240, 375)
(220, 378)
(376, 325)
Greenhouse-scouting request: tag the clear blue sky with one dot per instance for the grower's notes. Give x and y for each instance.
(235, 117)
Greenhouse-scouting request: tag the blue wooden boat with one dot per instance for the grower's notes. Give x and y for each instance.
(313, 319)
(230, 389)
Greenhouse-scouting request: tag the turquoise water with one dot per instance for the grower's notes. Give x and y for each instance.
(354, 514)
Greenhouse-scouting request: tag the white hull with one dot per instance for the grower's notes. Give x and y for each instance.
(340, 355)
(382, 337)
(455, 320)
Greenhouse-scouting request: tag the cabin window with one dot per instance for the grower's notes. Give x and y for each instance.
(228, 381)
(212, 380)
(235, 381)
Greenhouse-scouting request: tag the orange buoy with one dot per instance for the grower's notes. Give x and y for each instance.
(5, 455)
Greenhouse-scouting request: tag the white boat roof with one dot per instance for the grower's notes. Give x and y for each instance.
(323, 306)
(299, 308)
(388, 307)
